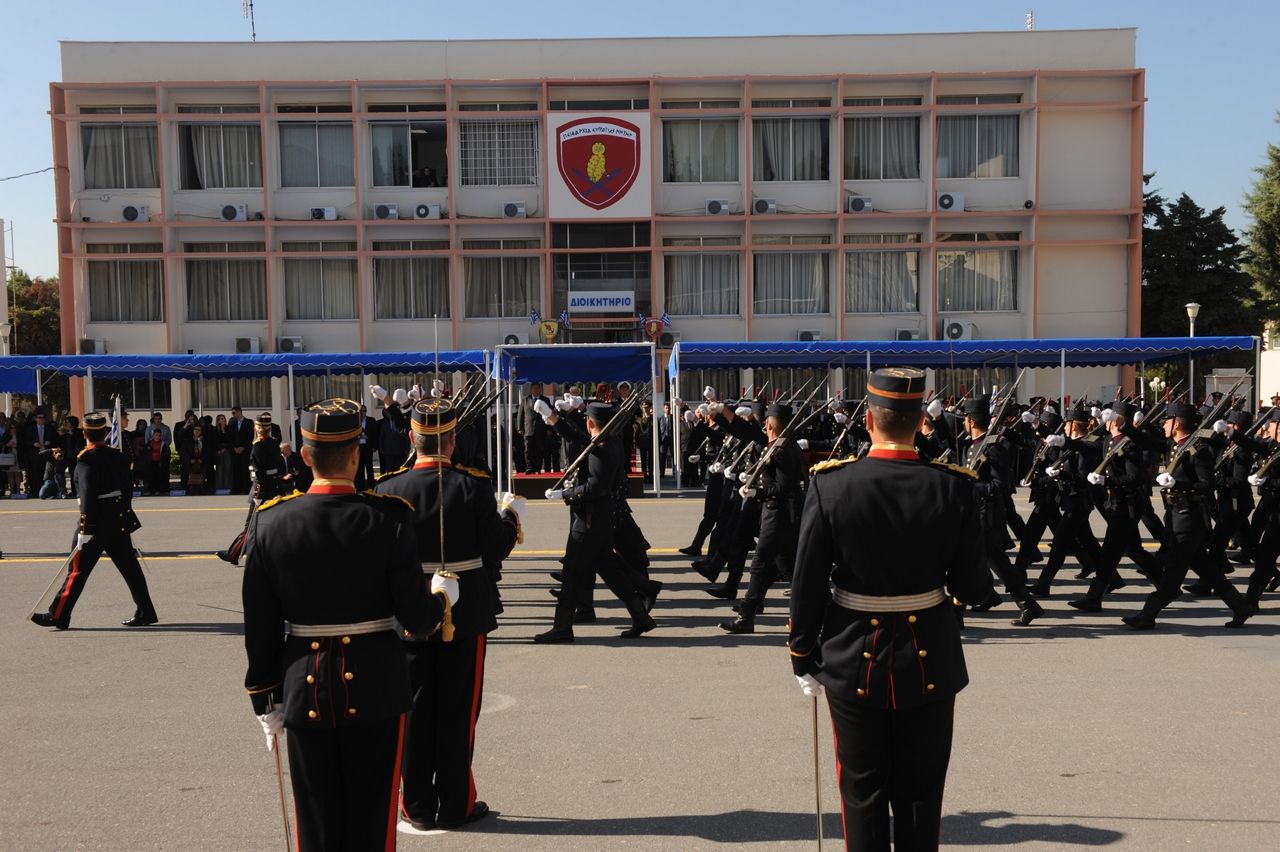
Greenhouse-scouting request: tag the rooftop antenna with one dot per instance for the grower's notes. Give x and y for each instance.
(247, 7)
(1031, 18)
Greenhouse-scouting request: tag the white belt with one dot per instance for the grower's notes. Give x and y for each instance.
(890, 603)
(455, 567)
(272, 471)
(308, 631)
(108, 495)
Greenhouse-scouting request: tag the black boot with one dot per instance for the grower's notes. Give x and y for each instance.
(746, 620)
(651, 590)
(694, 550)
(1030, 611)
(990, 603)
(1145, 620)
(641, 621)
(1086, 604)
(44, 619)
(561, 627)
(724, 593)
(142, 619)
(584, 615)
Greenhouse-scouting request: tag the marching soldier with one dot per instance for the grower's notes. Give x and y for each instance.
(447, 674)
(1266, 446)
(1078, 454)
(329, 575)
(268, 468)
(1045, 511)
(1235, 496)
(107, 521)
(886, 643)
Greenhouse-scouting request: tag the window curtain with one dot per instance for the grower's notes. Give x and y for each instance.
(978, 280)
(338, 276)
(519, 286)
(901, 155)
(303, 296)
(297, 155)
(808, 283)
(246, 290)
(770, 149)
(719, 151)
(998, 146)
(206, 155)
(881, 282)
(772, 283)
(683, 285)
(337, 159)
(483, 290)
(680, 147)
(430, 287)
(957, 146)
(225, 394)
(126, 291)
(392, 280)
(241, 156)
(206, 290)
(811, 143)
(390, 155)
(103, 149)
(862, 148)
(141, 165)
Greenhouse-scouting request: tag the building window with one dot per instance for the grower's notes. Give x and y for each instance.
(316, 154)
(319, 288)
(120, 156)
(220, 156)
(882, 147)
(706, 104)
(126, 291)
(227, 290)
(410, 287)
(882, 282)
(410, 153)
(308, 389)
(501, 286)
(790, 149)
(978, 146)
(226, 394)
(505, 106)
(978, 280)
(700, 151)
(499, 153)
(422, 107)
(791, 283)
(703, 284)
(606, 104)
(135, 395)
(602, 273)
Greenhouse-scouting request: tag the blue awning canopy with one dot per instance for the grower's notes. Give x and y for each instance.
(19, 369)
(571, 362)
(1046, 352)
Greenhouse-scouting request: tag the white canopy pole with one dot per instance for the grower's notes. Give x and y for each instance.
(88, 381)
(1062, 387)
(39, 388)
(511, 463)
(488, 414)
(655, 462)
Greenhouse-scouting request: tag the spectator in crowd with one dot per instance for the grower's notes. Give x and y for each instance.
(297, 476)
(10, 473)
(137, 441)
(664, 440)
(72, 445)
(51, 487)
(181, 433)
(220, 436)
(40, 436)
(241, 442)
(533, 429)
(157, 465)
(644, 439)
(368, 440)
(197, 455)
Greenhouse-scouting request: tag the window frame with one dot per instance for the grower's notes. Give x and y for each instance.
(737, 138)
(315, 125)
(114, 262)
(791, 254)
(496, 159)
(791, 148)
(412, 295)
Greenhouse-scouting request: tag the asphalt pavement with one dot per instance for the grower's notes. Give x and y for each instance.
(1075, 732)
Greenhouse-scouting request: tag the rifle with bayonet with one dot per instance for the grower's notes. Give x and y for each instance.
(1207, 421)
(996, 419)
(787, 431)
(847, 425)
(1230, 451)
(622, 414)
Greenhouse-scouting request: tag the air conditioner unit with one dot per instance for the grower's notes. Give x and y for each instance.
(906, 334)
(289, 344)
(808, 335)
(135, 213)
(248, 345)
(668, 339)
(92, 346)
(324, 213)
(765, 206)
(385, 211)
(235, 212)
(857, 204)
(513, 210)
(516, 339)
(950, 202)
(427, 211)
(953, 329)
(717, 207)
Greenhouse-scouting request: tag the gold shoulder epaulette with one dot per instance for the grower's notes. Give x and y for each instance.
(831, 464)
(275, 501)
(472, 471)
(960, 470)
(82, 452)
(389, 497)
(380, 477)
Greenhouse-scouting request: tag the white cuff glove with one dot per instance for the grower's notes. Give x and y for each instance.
(714, 408)
(708, 393)
(809, 685)
(1107, 415)
(555, 494)
(1053, 472)
(714, 467)
(803, 443)
(577, 402)
(694, 459)
(1056, 440)
(1220, 426)
(1049, 409)
(1256, 480)
(743, 411)
(82, 539)
(703, 410)
(689, 418)
(747, 493)
(842, 418)
(934, 409)
(564, 405)
(1028, 417)
(730, 473)
(400, 396)
(379, 392)
(448, 585)
(743, 477)
(437, 385)
(1164, 480)
(272, 726)
(415, 393)
(1096, 478)
(1138, 417)
(541, 407)
(513, 503)
(1095, 412)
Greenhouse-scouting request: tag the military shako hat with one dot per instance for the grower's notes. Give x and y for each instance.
(896, 388)
(978, 406)
(432, 416)
(1182, 411)
(95, 424)
(781, 411)
(600, 412)
(759, 411)
(1079, 414)
(1049, 422)
(263, 419)
(330, 422)
(1125, 409)
(1240, 417)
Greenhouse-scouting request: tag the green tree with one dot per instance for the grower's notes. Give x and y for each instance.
(1262, 203)
(34, 315)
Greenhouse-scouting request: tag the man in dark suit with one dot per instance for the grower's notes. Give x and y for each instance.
(241, 444)
(664, 439)
(533, 429)
(368, 440)
(40, 436)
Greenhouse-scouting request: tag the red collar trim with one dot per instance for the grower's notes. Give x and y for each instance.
(431, 463)
(331, 486)
(902, 452)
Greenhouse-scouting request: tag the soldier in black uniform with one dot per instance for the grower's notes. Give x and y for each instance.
(268, 468)
(1045, 511)
(105, 488)
(1077, 455)
(1266, 447)
(447, 675)
(1232, 467)
(886, 642)
(329, 575)
(779, 492)
(704, 442)
(1188, 495)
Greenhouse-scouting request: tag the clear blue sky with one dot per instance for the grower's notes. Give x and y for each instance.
(1213, 75)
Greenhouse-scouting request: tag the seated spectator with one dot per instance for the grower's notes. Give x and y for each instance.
(51, 488)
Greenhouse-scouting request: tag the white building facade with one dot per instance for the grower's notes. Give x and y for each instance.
(350, 196)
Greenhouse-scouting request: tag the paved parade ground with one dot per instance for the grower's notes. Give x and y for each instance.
(1075, 732)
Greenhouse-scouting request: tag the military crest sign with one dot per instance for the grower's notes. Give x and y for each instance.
(600, 160)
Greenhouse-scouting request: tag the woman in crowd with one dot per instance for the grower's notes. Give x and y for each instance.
(141, 456)
(222, 440)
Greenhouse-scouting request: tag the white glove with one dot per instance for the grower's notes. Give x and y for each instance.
(934, 409)
(272, 726)
(1049, 409)
(809, 685)
(703, 410)
(563, 405)
(512, 503)
(577, 402)
(1107, 415)
(555, 494)
(82, 539)
(415, 393)
(708, 393)
(1095, 412)
(730, 473)
(1164, 480)
(694, 459)
(448, 584)
(1256, 480)
(1028, 417)
(747, 493)
(743, 477)
(437, 385)
(1053, 472)
(689, 418)
(541, 407)
(803, 443)
(379, 392)
(1095, 478)
(714, 408)
(1056, 440)
(1220, 426)
(834, 405)
(400, 396)
(743, 411)
(1138, 417)
(842, 418)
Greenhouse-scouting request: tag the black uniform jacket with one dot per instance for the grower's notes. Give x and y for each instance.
(889, 527)
(780, 478)
(473, 529)
(102, 470)
(268, 467)
(317, 559)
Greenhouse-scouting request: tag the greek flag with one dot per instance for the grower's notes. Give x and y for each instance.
(564, 318)
(534, 317)
(642, 320)
(666, 320)
(113, 433)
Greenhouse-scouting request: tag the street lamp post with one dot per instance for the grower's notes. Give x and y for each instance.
(1193, 310)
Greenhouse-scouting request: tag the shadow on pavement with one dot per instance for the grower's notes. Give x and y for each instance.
(969, 828)
(223, 628)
